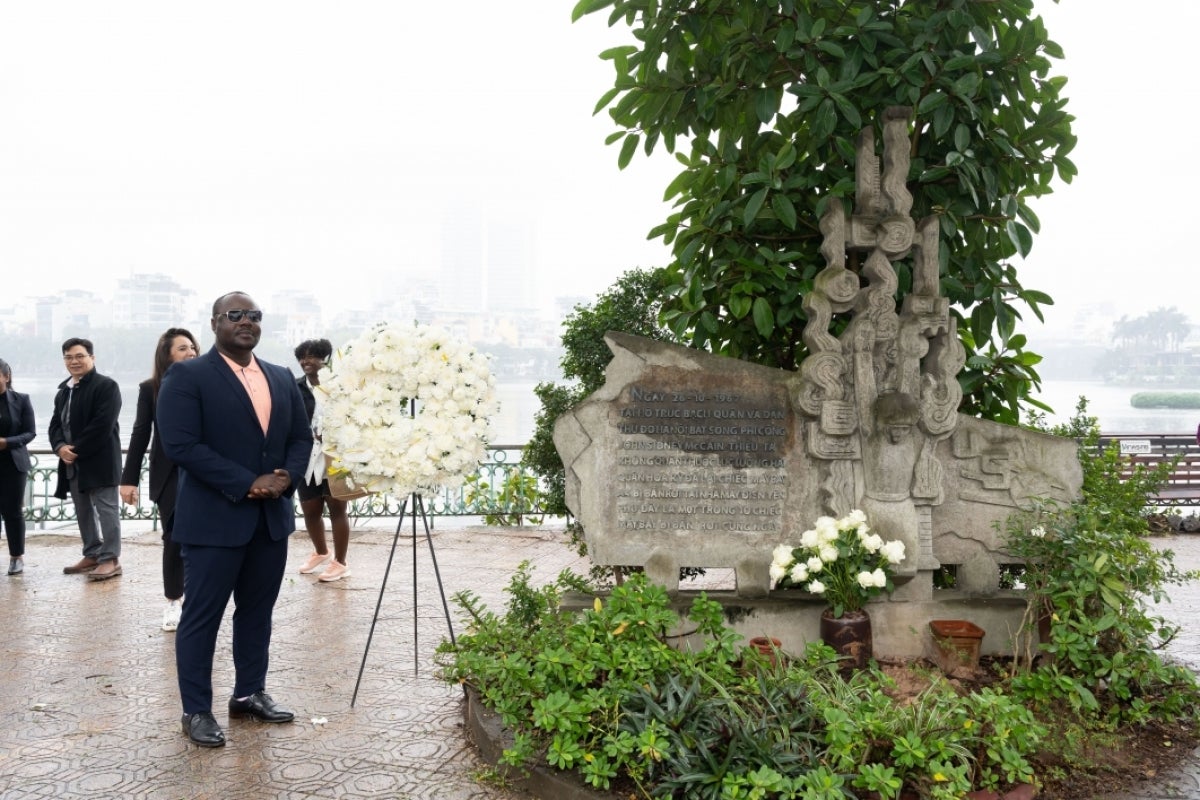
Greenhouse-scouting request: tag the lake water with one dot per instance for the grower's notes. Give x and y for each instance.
(1110, 404)
(518, 405)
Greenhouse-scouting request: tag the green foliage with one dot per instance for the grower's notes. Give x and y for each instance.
(941, 744)
(558, 680)
(711, 742)
(762, 104)
(1091, 571)
(1165, 400)
(540, 453)
(601, 693)
(516, 493)
(631, 305)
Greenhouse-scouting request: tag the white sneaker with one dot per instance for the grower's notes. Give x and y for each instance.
(171, 615)
(314, 561)
(335, 572)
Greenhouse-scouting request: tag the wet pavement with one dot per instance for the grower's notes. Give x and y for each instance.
(89, 706)
(88, 700)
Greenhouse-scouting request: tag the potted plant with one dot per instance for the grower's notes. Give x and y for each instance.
(844, 562)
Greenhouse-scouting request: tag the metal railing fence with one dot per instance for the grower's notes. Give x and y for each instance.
(502, 488)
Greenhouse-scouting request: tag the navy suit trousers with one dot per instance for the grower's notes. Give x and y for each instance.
(251, 575)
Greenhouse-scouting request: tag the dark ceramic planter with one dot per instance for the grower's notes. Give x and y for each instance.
(849, 635)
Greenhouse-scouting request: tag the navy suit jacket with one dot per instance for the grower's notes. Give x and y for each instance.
(208, 427)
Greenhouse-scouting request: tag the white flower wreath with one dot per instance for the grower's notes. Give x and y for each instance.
(368, 430)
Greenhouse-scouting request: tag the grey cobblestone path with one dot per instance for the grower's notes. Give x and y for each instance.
(89, 708)
(88, 700)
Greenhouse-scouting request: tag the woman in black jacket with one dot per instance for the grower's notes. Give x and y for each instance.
(17, 429)
(176, 344)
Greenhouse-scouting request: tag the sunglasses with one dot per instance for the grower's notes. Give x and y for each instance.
(238, 314)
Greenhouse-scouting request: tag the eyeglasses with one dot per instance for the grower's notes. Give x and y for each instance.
(238, 314)
(76, 357)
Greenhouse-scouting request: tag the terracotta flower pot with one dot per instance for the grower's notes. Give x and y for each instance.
(849, 635)
(768, 647)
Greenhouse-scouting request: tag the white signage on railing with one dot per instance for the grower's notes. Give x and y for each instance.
(1135, 447)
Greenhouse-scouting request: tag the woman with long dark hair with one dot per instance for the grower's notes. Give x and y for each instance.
(176, 344)
(17, 429)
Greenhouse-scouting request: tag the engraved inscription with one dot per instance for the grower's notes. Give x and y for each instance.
(700, 459)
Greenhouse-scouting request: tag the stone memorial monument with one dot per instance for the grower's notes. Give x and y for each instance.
(686, 459)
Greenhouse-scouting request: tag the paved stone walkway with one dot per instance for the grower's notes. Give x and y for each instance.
(89, 707)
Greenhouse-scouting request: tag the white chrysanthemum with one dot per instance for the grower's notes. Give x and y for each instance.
(368, 428)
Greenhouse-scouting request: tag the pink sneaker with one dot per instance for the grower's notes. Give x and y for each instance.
(314, 561)
(335, 571)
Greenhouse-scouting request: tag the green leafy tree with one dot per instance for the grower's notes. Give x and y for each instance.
(761, 102)
(631, 305)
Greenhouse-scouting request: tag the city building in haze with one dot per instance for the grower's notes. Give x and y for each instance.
(151, 300)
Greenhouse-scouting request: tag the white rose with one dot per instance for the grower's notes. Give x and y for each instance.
(828, 553)
(893, 551)
(799, 573)
(816, 587)
(782, 554)
(815, 564)
(777, 572)
(826, 526)
(865, 580)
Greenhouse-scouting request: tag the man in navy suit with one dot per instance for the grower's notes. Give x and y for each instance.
(238, 431)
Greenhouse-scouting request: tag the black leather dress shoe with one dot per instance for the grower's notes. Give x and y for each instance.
(260, 706)
(202, 729)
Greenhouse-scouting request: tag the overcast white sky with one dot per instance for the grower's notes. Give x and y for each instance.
(258, 143)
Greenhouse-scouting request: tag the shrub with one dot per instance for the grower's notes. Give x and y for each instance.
(1090, 571)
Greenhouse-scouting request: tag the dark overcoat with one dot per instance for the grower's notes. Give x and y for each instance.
(95, 432)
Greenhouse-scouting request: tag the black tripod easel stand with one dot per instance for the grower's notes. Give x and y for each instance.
(418, 503)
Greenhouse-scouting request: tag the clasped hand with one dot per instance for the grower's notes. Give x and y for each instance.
(270, 486)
